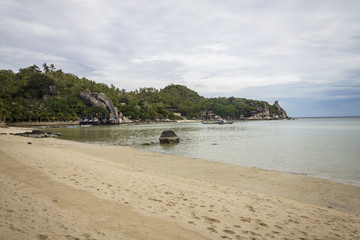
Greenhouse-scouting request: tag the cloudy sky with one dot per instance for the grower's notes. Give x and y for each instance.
(304, 53)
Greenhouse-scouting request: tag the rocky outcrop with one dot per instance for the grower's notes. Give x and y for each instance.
(123, 119)
(100, 100)
(263, 113)
(169, 136)
(280, 110)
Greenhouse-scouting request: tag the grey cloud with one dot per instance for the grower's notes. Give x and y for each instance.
(258, 49)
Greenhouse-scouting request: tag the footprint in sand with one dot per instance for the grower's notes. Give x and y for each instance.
(42, 237)
(277, 226)
(261, 223)
(250, 208)
(212, 220)
(243, 219)
(228, 231)
(211, 229)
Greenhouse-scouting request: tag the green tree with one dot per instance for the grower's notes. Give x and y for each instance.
(39, 85)
(30, 94)
(96, 111)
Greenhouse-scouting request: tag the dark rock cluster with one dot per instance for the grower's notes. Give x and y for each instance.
(37, 134)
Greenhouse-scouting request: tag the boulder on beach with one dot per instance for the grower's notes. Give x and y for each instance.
(169, 136)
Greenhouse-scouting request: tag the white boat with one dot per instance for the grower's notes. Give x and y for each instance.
(210, 122)
(225, 122)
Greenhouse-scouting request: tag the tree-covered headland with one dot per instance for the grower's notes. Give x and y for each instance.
(49, 94)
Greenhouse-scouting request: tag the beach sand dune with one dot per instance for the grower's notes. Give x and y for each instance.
(54, 189)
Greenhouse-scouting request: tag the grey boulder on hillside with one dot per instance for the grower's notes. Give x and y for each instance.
(100, 100)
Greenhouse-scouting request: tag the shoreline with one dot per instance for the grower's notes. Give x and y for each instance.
(57, 124)
(25, 124)
(335, 180)
(211, 163)
(40, 124)
(65, 188)
(332, 179)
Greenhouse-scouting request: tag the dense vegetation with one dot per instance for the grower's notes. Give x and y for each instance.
(49, 94)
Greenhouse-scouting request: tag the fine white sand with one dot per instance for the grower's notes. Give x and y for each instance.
(55, 189)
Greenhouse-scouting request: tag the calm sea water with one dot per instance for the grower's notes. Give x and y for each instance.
(321, 147)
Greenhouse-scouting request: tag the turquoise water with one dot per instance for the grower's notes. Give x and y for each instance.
(321, 147)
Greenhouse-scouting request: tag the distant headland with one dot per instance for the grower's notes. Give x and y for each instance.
(50, 95)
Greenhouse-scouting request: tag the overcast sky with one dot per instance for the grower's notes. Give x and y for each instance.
(304, 53)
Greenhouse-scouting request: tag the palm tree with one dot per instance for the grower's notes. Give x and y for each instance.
(46, 68)
(52, 67)
(34, 69)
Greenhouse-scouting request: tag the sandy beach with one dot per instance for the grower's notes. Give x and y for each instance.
(56, 189)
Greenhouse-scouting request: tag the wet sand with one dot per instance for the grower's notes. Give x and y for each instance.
(55, 189)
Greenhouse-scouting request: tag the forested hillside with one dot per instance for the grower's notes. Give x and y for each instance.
(49, 94)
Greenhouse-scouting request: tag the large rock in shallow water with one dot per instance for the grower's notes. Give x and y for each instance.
(169, 136)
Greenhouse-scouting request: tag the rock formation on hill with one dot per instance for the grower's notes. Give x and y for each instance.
(280, 110)
(100, 100)
(263, 113)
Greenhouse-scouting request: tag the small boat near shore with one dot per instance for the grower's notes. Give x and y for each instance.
(225, 122)
(221, 121)
(94, 122)
(209, 122)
